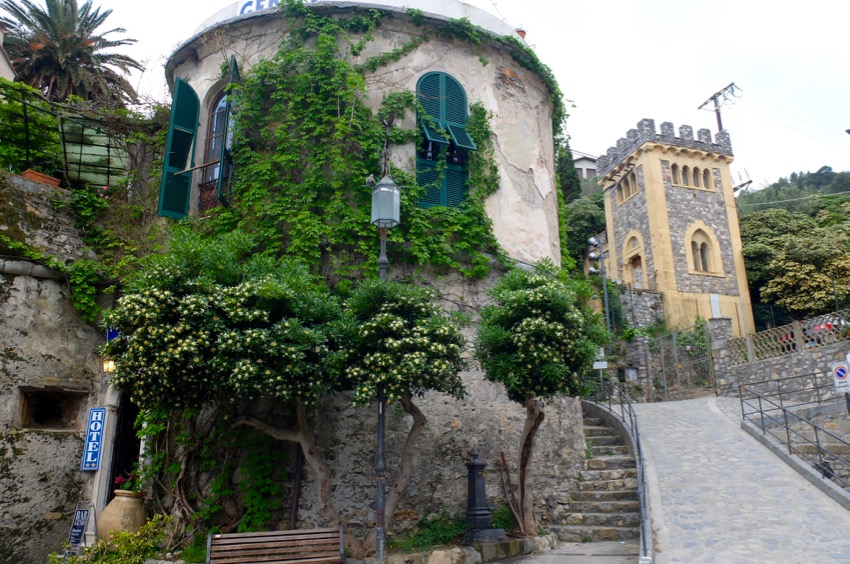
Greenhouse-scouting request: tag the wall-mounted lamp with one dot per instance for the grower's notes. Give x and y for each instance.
(109, 366)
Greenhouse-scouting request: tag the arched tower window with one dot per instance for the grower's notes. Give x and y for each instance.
(441, 163)
(697, 177)
(633, 261)
(674, 171)
(706, 179)
(686, 176)
(702, 252)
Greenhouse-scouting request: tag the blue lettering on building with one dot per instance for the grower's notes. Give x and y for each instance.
(94, 438)
(257, 5)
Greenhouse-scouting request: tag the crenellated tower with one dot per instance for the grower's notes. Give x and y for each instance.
(672, 224)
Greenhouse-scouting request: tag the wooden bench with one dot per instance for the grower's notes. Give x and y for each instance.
(313, 546)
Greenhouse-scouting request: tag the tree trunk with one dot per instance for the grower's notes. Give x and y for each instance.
(534, 417)
(405, 465)
(326, 508)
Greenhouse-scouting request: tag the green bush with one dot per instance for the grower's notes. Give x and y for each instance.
(432, 532)
(503, 518)
(123, 548)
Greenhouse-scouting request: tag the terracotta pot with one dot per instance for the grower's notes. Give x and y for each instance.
(39, 177)
(126, 512)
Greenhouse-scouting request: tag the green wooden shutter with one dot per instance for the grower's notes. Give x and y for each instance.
(182, 128)
(456, 185)
(224, 184)
(428, 176)
(431, 97)
(455, 99)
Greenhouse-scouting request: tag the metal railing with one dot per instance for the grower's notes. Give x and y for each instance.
(795, 337)
(824, 451)
(612, 397)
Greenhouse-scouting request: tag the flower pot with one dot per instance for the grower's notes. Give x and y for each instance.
(39, 177)
(126, 512)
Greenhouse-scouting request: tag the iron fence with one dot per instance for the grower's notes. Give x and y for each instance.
(680, 364)
(768, 405)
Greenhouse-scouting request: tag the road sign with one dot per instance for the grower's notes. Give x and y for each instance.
(841, 376)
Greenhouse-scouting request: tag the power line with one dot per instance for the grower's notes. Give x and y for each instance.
(794, 199)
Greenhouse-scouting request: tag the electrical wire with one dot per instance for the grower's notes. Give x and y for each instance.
(793, 199)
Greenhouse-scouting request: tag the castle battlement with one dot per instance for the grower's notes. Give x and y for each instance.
(646, 132)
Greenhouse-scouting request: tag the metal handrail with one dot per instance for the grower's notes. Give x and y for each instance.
(776, 419)
(618, 404)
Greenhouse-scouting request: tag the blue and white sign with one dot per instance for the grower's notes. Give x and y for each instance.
(94, 438)
(248, 6)
(78, 527)
(841, 376)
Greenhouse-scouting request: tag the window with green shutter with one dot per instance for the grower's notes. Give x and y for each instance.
(176, 184)
(442, 120)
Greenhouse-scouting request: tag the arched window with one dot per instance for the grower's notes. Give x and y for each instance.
(706, 180)
(686, 176)
(674, 170)
(697, 177)
(444, 140)
(701, 252)
(619, 194)
(633, 263)
(218, 129)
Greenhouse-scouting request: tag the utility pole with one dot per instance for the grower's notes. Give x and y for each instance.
(728, 90)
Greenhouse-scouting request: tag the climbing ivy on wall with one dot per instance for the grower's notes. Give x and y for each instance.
(305, 143)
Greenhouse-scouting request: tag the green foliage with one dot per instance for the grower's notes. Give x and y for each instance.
(214, 317)
(503, 517)
(566, 173)
(788, 263)
(431, 533)
(261, 482)
(124, 547)
(37, 128)
(403, 341)
(540, 338)
(584, 218)
(83, 277)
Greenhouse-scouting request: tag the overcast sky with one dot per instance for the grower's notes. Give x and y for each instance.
(619, 61)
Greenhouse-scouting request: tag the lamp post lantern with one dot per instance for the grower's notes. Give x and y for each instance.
(386, 205)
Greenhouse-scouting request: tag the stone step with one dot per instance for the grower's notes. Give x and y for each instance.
(604, 495)
(607, 440)
(604, 450)
(606, 475)
(607, 506)
(592, 432)
(604, 519)
(610, 462)
(567, 533)
(608, 485)
(593, 422)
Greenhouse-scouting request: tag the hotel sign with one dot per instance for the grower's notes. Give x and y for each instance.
(94, 438)
(248, 6)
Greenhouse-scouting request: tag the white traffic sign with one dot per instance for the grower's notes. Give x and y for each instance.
(841, 376)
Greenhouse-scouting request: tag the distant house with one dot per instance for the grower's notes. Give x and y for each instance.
(585, 166)
(6, 69)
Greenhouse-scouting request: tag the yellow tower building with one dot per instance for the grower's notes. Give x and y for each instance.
(672, 224)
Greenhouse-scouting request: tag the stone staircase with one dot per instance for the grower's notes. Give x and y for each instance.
(606, 505)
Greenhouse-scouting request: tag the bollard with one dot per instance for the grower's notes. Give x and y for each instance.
(478, 510)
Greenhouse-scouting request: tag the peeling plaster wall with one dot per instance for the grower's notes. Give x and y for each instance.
(524, 210)
(44, 347)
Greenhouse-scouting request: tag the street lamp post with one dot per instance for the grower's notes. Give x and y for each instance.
(386, 205)
(600, 256)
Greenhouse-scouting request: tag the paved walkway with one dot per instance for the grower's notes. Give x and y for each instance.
(718, 496)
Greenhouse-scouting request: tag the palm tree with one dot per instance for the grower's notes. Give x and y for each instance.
(58, 50)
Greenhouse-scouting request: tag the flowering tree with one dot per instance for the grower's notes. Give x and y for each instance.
(214, 323)
(408, 344)
(539, 340)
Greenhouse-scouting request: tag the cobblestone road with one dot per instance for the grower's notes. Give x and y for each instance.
(718, 496)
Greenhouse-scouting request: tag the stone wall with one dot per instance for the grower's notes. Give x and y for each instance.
(729, 376)
(39, 215)
(48, 377)
(641, 308)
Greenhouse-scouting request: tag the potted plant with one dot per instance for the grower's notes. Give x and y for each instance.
(126, 511)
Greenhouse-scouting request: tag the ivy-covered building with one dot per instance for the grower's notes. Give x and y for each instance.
(452, 56)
